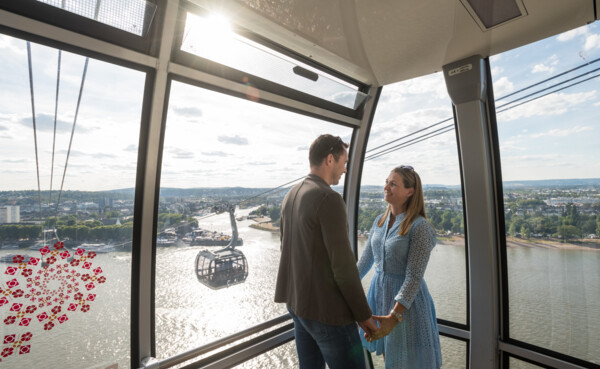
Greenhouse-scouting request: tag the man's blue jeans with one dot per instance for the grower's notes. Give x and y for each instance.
(318, 343)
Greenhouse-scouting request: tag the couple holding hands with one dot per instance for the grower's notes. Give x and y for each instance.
(319, 279)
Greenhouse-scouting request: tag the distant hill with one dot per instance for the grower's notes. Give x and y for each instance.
(554, 183)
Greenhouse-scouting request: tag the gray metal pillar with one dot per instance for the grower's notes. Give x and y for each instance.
(466, 83)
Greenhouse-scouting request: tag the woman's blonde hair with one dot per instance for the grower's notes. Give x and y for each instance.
(415, 205)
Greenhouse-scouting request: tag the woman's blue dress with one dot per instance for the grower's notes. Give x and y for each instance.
(400, 262)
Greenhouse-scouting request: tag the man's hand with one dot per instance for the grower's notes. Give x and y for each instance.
(386, 325)
(369, 326)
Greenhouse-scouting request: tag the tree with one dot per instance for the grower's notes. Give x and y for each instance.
(525, 231)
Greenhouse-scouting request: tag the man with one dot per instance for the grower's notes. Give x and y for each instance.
(318, 278)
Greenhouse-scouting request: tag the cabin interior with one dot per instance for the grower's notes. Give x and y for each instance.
(280, 71)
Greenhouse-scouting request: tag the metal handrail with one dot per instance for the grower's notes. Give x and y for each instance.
(185, 356)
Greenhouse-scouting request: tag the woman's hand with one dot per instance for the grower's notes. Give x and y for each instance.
(386, 325)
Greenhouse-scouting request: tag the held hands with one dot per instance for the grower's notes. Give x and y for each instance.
(370, 327)
(386, 325)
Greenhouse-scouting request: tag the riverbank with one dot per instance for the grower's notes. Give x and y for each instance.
(581, 244)
(265, 226)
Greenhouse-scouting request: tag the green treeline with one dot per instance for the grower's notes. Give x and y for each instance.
(273, 212)
(442, 220)
(69, 227)
(570, 224)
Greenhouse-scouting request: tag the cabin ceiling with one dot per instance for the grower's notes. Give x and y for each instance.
(379, 42)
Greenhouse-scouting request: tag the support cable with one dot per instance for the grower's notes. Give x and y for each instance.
(72, 131)
(37, 163)
(55, 117)
(548, 79)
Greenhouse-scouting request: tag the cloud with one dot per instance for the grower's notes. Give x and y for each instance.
(302, 148)
(538, 68)
(569, 35)
(261, 163)
(548, 66)
(563, 132)
(215, 153)
(592, 42)
(45, 123)
(178, 153)
(188, 111)
(131, 148)
(235, 140)
(503, 86)
(554, 104)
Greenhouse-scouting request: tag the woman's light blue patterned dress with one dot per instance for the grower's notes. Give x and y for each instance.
(400, 263)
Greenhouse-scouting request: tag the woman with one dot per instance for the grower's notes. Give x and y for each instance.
(399, 245)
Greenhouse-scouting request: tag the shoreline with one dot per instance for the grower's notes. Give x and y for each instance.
(589, 245)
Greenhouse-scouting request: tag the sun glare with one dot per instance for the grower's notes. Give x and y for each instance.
(212, 36)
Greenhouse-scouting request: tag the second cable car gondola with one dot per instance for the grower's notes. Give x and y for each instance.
(225, 267)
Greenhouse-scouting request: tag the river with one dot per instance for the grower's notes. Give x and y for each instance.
(554, 301)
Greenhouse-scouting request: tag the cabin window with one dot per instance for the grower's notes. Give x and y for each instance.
(133, 16)
(69, 179)
(212, 36)
(222, 151)
(547, 109)
(414, 126)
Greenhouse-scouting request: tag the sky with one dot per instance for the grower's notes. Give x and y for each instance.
(215, 140)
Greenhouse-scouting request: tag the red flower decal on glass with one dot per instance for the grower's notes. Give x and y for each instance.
(85, 308)
(98, 270)
(30, 309)
(24, 349)
(25, 322)
(27, 272)
(33, 261)
(10, 320)
(18, 259)
(26, 337)
(42, 316)
(12, 283)
(18, 293)
(44, 250)
(11, 270)
(78, 296)
(3, 301)
(16, 307)
(91, 254)
(72, 307)
(9, 338)
(56, 309)
(87, 265)
(74, 262)
(91, 297)
(48, 326)
(102, 279)
(51, 260)
(7, 351)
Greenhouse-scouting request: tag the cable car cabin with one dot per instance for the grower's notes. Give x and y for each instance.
(152, 112)
(222, 268)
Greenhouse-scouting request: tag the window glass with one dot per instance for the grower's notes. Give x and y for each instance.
(66, 305)
(548, 131)
(413, 126)
(210, 36)
(221, 153)
(520, 364)
(133, 16)
(454, 354)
